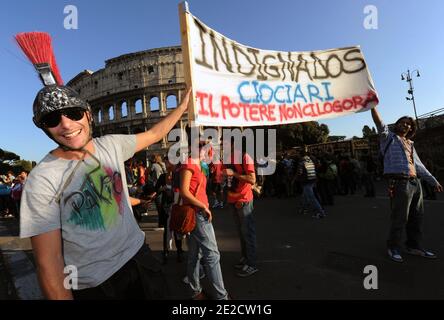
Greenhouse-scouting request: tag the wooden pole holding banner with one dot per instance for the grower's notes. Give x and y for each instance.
(184, 17)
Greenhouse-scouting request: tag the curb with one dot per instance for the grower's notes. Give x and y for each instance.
(19, 267)
(23, 274)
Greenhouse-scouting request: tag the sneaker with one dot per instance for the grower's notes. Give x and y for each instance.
(395, 255)
(187, 281)
(215, 205)
(240, 265)
(421, 252)
(221, 205)
(200, 296)
(247, 271)
(318, 216)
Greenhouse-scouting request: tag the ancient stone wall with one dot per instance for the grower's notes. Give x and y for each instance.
(134, 91)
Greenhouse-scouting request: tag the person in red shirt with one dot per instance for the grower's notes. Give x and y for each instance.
(240, 178)
(141, 174)
(202, 242)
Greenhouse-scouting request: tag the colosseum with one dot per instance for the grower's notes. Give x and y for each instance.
(133, 92)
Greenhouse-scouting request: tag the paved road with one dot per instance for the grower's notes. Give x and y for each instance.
(303, 258)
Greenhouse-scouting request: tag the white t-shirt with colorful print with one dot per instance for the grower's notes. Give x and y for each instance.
(99, 231)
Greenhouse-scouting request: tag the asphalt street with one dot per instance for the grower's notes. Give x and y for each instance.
(298, 257)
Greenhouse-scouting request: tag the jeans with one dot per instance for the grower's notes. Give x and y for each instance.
(407, 211)
(310, 198)
(203, 239)
(246, 228)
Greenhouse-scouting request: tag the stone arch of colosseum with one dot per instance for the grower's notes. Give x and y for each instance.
(133, 92)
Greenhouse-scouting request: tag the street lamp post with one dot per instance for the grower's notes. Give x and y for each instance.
(407, 76)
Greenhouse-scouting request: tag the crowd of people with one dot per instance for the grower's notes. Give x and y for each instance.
(325, 175)
(11, 188)
(198, 181)
(314, 180)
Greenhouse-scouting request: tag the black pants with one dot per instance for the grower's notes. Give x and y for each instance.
(140, 278)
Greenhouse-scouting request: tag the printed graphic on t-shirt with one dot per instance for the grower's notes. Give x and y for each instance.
(97, 205)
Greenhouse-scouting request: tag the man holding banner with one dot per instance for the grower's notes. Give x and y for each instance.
(240, 86)
(403, 168)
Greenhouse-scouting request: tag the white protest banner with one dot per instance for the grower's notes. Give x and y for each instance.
(236, 85)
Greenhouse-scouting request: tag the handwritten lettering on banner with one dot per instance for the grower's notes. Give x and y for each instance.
(236, 85)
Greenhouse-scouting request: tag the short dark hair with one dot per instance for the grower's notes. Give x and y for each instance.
(413, 127)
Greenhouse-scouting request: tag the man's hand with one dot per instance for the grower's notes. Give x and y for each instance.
(376, 118)
(185, 99)
(208, 213)
(438, 188)
(145, 203)
(161, 129)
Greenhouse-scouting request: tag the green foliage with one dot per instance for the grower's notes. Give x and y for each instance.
(299, 134)
(367, 132)
(4, 167)
(7, 155)
(22, 165)
(336, 138)
(11, 161)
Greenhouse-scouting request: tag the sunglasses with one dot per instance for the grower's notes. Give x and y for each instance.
(53, 119)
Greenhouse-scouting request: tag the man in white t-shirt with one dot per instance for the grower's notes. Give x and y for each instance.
(76, 208)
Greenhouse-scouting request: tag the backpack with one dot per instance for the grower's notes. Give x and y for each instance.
(331, 172)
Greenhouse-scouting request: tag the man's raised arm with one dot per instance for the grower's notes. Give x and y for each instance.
(377, 118)
(161, 129)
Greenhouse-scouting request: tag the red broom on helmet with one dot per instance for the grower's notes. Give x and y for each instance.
(38, 48)
(54, 96)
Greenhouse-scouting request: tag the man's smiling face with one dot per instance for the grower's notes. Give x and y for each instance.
(74, 134)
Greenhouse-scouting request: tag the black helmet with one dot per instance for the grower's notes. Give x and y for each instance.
(53, 98)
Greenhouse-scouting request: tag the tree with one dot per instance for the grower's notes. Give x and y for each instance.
(299, 134)
(9, 161)
(7, 155)
(336, 138)
(367, 132)
(22, 165)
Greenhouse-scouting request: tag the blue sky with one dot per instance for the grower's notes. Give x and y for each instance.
(409, 36)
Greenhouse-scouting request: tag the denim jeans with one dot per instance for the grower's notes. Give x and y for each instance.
(407, 211)
(246, 228)
(202, 239)
(310, 198)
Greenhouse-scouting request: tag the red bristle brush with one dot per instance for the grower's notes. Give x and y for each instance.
(37, 47)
